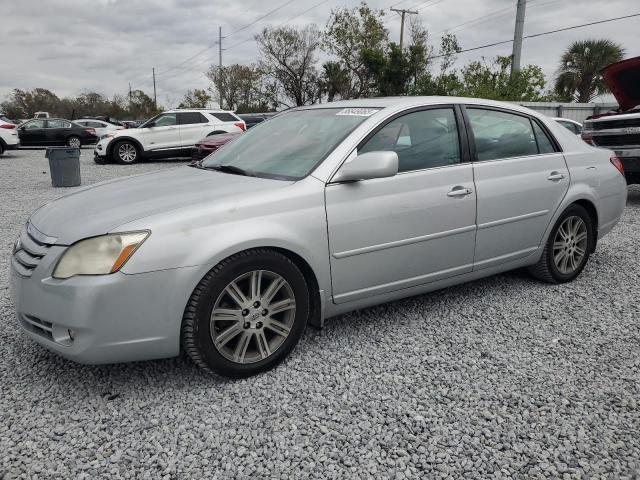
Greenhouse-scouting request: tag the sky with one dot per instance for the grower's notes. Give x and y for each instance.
(71, 46)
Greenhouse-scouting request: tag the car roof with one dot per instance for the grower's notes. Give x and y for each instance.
(210, 110)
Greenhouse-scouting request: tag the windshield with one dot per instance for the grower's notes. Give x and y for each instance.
(291, 144)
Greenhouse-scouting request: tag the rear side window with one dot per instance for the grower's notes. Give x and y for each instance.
(225, 117)
(188, 118)
(501, 135)
(423, 139)
(545, 145)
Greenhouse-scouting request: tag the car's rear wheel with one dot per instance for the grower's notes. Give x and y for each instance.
(74, 142)
(568, 247)
(1, 148)
(246, 314)
(126, 152)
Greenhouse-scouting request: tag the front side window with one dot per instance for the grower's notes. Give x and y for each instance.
(290, 145)
(165, 120)
(34, 124)
(423, 139)
(501, 135)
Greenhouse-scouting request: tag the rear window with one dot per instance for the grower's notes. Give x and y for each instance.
(225, 117)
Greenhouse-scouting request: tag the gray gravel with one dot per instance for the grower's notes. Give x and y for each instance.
(503, 377)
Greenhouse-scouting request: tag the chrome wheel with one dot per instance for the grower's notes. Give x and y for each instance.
(570, 245)
(127, 153)
(74, 142)
(253, 316)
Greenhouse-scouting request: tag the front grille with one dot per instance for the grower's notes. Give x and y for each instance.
(32, 246)
(35, 325)
(616, 140)
(623, 123)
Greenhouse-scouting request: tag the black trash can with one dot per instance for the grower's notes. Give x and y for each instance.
(64, 163)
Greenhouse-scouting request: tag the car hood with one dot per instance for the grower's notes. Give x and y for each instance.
(623, 79)
(103, 207)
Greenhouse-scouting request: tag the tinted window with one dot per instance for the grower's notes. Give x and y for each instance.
(225, 117)
(34, 124)
(501, 135)
(187, 118)
(166, 120)
(544, 142)
(58, 124)
(424, 139)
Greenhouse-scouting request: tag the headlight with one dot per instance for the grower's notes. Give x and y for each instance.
(107, 135)
(99, 255)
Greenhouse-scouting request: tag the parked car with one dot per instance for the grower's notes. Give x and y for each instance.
(171, 134)
(252, 119)
(571, 125)
(41, 115)
(322, 210)
(620, 131)
(9, 139)
(206, 146)
(104, 118)
(55, 131)
(101, 127)
(4, 119)
(130, 123)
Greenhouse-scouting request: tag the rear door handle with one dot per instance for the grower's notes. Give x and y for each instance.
(459, 191)
(553, 176)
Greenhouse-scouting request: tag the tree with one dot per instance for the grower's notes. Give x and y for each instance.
(350, 32)
(335, 80)
(446, 81)
(196, 98)
(142, 106)
(288, 58)
(578, 77)
(25, 103)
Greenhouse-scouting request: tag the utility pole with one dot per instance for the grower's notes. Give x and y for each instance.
(403, 12)
(155, 103)
(517, 37)
(219, 47)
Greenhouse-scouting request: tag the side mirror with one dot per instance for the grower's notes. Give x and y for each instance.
(368, 166)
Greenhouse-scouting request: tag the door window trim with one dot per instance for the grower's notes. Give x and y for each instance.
(472, 141)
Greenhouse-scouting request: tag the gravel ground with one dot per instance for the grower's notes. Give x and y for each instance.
(503, 377)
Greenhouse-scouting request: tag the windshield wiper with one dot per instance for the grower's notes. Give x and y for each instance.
(231, 169)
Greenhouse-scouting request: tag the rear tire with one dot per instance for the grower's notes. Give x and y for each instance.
(74, 142)
(235, 325)
(1, 148)
(568, 247)
(126, 152)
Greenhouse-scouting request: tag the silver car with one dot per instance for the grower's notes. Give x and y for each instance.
(316, 212)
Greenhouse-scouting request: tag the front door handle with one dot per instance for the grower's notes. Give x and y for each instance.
(459, 191)
(553, 176)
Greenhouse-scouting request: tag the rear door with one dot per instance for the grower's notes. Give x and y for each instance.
(57, 131)
(413, 228)
(193, 127)
(520, 178)
(33, 132)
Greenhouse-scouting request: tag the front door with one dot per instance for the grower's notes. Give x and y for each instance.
(57, 131)
(163, 134)
(520, 180)
(414, 228)
(33, 133)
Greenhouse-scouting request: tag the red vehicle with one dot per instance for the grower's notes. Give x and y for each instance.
(620, 131)
(210, 144)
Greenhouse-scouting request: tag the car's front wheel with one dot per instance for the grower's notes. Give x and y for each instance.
(74, 142)
(246, 314)
(568, 247)
(126, 152)
(1, 148)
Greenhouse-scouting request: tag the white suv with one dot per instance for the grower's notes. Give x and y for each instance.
(8, 135)
(170, 134)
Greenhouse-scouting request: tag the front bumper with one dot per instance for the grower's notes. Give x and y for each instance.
(102, 319)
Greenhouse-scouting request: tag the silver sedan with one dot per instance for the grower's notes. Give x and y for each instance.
(316, 212)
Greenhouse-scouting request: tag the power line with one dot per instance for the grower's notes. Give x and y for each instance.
(260, 18)
(545, 33)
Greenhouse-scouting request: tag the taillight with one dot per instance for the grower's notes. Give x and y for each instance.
(241, 126)
(7, 125)
(90, 131)
(618, 164)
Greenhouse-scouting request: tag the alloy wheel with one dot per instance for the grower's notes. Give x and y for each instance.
(127, 152)
(570, 245)
(253, 316)
(74, 142)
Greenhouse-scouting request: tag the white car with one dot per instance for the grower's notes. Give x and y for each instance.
(571, 125)
(101, 128)
(9, 139)
(171, 134)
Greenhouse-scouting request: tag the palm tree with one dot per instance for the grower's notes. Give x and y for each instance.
(578, 77)
(335, 80)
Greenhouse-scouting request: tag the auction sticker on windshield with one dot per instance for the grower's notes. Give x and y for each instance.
(358, 112)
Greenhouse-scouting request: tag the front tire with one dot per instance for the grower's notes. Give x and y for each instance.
(126, 152)
(568, 247)
(247, 314)
(74, 142)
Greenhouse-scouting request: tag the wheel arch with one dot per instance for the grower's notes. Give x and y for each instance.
(216, 132)
(115, 141)
(590, 207)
